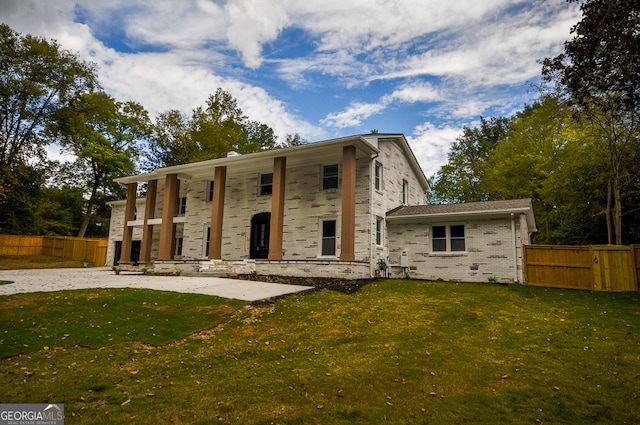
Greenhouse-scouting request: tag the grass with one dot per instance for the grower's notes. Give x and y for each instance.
(397, 351)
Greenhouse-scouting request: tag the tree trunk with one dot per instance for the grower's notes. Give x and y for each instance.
(608, 213)
(88, 212)
(617, 212)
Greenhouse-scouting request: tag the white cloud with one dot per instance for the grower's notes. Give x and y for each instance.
(431, 144)
(353, 115)
(251, 24)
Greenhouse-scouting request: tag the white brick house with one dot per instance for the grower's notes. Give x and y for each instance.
(320, 209)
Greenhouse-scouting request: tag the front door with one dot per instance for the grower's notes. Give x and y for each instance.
(260, 226)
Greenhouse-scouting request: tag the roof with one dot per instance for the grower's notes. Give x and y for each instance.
(449, 212)
(366, 146)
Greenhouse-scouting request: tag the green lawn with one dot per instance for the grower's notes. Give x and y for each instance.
(398, 351)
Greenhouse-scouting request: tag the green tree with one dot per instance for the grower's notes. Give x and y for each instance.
(37, 78)
(212, 132)
(291, 140)
(59, 211)
(171, 142)
(462, 178)
(528, 159)
(104, 135)
(599, 71)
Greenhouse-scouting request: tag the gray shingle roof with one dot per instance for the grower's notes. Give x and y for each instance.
(469, 207)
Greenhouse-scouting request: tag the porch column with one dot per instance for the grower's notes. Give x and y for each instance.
(277, 208)
(129, 214)
(149, 213)
(348, 231)
(217, 213)
(169, 208)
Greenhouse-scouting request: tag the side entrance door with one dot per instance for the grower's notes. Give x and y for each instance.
(260, 226)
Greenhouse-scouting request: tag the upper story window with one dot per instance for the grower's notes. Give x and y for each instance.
(210, 187)
(448, 238)
(266, 184)
(405, 192)
(182, 205)
(377, 176)
(330, 176)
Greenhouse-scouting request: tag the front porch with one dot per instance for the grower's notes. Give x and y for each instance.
(299, 268)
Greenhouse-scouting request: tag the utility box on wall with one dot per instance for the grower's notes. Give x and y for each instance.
(404, 258)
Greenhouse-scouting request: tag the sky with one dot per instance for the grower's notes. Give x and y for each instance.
(317, 68)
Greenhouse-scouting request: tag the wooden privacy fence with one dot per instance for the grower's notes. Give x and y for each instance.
(79, 249)
(594, 267)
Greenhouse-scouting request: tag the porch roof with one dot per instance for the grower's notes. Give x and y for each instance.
(318, 151)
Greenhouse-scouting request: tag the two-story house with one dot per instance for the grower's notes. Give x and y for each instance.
(330, 208)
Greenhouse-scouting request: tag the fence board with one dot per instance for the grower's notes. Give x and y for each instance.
(595, 267)
(79, 249)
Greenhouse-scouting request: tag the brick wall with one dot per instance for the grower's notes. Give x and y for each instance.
(489, 251)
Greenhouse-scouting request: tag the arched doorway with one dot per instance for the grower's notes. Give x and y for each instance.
(260, 227)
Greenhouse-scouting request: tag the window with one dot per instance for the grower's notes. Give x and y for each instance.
(330, 177)
(328, 238)
(448, 238)
(210, 190)
(377, 176)
(178, 247)
(207, 242)
(266, 184)
(378, 231)
(439, 238)
(457, 237)
(182, 205)
(405, 192)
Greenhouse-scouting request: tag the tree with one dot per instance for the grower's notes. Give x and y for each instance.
(291, 140)
(526, 163)
(212, 132)
(462, 178)
(36, 79)
(599, 72)
(171, 142)
(103, 135)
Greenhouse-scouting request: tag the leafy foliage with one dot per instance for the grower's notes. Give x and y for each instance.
(103, 135)
(599, 73)
(462, 178)
(211, 132)
(37, 78)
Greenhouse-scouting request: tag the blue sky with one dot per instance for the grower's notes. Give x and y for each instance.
(319, 68)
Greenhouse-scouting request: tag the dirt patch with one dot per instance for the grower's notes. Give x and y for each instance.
(318, 283)
(21, 262)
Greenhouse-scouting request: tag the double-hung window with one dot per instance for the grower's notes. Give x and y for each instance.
(377, 176)
(405, 192)
(328, 242)
(379, 223)
(210, 186)
(182, 205)
(207, 242)
(178, 251)
(330, 176)
(448, 238)
(266, 184)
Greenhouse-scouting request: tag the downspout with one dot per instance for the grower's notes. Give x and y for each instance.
(515, 251)
(373, 262)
